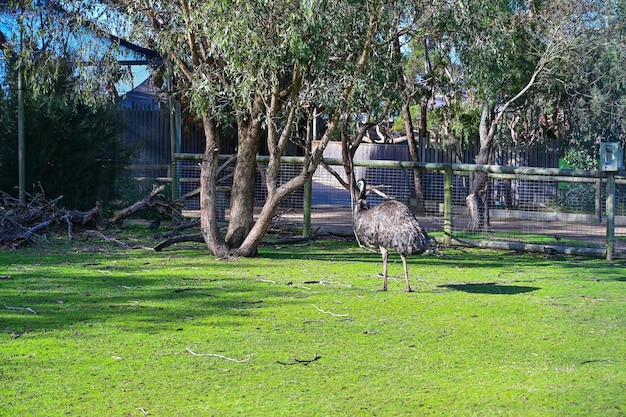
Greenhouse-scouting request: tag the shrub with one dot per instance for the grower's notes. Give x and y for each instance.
(71, 149)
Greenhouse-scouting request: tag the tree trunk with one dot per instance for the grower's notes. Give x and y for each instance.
(208, 190)
(417, 179)
(477, 201)
(242, 195)
(423, 133)
(408, 93)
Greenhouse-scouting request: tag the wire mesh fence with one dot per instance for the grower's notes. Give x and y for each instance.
(526, 211)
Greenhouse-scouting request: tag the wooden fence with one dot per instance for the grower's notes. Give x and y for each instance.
(545, 220)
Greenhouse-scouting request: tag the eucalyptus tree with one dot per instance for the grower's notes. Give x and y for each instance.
(504, 49)
(260, 65)
(413, 76)
(595, 91)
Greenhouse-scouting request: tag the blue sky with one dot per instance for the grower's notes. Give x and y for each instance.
(89, 45)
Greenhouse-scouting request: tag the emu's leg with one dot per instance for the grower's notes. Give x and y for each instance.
(406, 274)
(384, 252)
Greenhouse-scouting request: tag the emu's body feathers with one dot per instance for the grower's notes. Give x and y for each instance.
(389, 225)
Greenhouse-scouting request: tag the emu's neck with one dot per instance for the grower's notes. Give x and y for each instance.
(360, 205)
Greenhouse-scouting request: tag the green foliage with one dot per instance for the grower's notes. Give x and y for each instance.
(598, 91)
(452, 126)
(578, 158)
(71, 149)
(577, 195)
(495, 45)
(486, 333)
(456, 124)
(47, 42)
(254, 47)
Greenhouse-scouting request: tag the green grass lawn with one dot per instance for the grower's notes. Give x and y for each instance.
(302, 331)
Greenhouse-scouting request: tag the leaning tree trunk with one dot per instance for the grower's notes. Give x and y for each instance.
(208, 190)
(249, 247)
(477, 201)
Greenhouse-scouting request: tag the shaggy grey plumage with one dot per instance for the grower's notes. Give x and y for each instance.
(389, 225)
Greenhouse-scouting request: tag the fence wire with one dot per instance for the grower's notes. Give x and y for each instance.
(525, 209)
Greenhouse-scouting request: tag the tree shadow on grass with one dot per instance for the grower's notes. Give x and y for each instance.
(490, 288)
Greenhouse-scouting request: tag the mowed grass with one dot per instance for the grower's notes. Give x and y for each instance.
(302, 331)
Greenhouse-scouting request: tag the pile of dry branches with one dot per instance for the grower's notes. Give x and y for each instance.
(22, 222)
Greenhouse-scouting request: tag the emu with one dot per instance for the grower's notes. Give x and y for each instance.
(389, 225)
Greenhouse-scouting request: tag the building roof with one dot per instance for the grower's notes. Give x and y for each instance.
(145, 94)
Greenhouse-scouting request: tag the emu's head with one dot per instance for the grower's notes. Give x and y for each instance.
(361, 185)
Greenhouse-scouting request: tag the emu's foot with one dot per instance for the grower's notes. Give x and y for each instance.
(408, 289)
(382, 289)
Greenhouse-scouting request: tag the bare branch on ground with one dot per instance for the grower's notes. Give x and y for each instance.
(304, 362)
(213, 355)
(328, 312)
(20, 308)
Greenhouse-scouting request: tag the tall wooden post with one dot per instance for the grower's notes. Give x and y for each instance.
(610, 215)
(21, 141)
(175, 135)
(598, 205)
(447, 204)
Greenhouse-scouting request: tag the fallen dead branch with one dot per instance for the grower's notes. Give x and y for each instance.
(21, 223)
(196, 237)
(178, 228)
(105, 238)
(328, 312)
(151, 201)
(304, 362)
(290, 241)
(20, 308)
(213, 355)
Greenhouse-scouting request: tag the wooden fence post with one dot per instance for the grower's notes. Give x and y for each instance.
(447, 204)
(610, 215)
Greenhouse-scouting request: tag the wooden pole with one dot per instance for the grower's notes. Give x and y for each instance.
(21, 141)
(598, 205)
(447, 205)
(175, 136)
(610, 215)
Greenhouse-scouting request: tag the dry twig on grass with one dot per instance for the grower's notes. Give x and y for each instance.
(20, 308)
(304, 362)
(213, 355)
(328, 312)
(105, 238)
